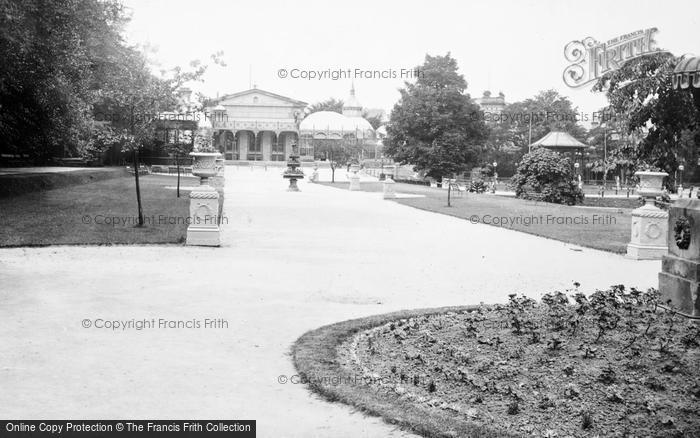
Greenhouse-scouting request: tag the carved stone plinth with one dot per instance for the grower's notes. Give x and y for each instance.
(389, 191)
(203, 229)
(649, 223)
(354, 182)
(649, 233)
(679, 279)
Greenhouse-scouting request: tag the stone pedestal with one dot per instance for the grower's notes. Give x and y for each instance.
(389, 192)
(204, 214)
(354, 182)
(314, 175)
(203, 229)
(649, 223)
(679, 279)
(649, 233)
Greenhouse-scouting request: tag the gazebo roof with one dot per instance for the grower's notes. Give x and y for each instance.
(686, 72)
(559, 140)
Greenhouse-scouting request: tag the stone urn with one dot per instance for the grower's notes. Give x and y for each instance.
(205, 165)
(651, 184)
(649, 223)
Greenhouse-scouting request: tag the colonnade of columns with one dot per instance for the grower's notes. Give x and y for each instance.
(254, 145)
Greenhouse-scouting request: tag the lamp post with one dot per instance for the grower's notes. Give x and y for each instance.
(381, 171)
(578, 174)
(495, 177)
(605, 157)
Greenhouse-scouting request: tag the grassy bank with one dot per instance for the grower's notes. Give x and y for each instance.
(15, 184)
(601, 228)
(102, 212)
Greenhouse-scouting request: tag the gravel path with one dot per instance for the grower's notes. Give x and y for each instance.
(290, 262)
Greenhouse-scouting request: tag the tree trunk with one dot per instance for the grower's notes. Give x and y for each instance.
(177, 163)
(138, 187)
(449, 191)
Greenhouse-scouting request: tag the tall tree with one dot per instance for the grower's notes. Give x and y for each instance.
(374, 118)
(339, 153)
(527, 121)
(330, 104)
(432, 126)
(666, 120)
(55, 58)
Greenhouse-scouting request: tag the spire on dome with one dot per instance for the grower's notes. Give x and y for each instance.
(352, 106)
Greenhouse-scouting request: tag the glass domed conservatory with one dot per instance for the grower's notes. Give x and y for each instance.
(348, 128)
(257, 125)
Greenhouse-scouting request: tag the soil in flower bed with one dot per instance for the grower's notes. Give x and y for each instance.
(614, 364)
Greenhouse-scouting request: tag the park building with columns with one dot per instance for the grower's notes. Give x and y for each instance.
(257, 125)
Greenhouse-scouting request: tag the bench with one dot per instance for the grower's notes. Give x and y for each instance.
(143, 170)
(72, 162)
(15, 160)
(457, 188)
(160, 169)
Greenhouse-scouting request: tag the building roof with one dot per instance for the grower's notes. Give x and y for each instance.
(332, 122)
(487, 99)
(558, 140)
(294, 102)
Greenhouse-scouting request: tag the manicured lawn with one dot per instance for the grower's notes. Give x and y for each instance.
(102, 212)
(606, 229)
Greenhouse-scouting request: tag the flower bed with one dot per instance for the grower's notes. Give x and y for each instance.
(612, 364)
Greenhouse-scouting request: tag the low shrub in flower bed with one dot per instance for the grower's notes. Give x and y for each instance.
(613, 364)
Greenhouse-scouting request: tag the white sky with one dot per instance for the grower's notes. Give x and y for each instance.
(506, 45)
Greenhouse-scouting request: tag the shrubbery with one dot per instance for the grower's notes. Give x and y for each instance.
(477, 186)
(546, 176)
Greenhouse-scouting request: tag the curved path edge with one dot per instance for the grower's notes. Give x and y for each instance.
(316, 354)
